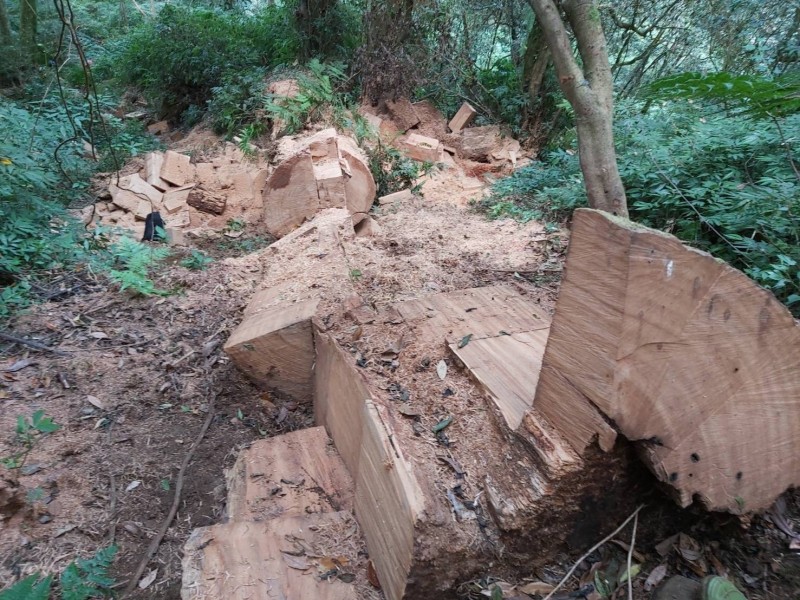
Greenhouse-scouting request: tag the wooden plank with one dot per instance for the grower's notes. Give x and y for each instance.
(275, 348)
(507, 367)
(462, 118)
(483, 312)
(360, 189)
(339, 396)
(177, 168)
(292, 474)
(422, 148)
(388, 503)
(244, 560)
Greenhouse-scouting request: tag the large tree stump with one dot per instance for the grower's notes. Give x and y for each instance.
(327, 171)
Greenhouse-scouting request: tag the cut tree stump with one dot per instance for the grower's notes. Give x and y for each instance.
(681, 352)
(462, 118)
(328, 171)
(206, 201)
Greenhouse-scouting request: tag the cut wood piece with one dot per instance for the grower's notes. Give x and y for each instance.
(293, 474)
(462, 118)
(268, 560)
(175, 236)
(290, 195)
(135, 185)
(339, 395)
(507, 366)
(395, 197)
(158, 128)
(275, 348)
(206, 175)
(177, 168)
(359, 184)
(480, 312)
(388, 503)
(479, 142)
(176, 198)
(422, 148)
(205, 201)
(152, 169)
(182, 218)
(330, 183)
(682, 352)
(322, 144)
(403, 113)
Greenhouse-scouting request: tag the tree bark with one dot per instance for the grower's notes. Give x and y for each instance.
(5, 29)
(28, 26)
(537, 57)
(590, 92)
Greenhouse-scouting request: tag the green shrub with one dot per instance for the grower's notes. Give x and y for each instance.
(196, 261)
(132, 264)
(392, 170)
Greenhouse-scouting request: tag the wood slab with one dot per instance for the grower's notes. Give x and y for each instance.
(293, 474)
(256, 560)
(275, 348)
(403, 113)
(422, 148)
(290, 195)
(177, 168)
(462, 118)
(684, 354)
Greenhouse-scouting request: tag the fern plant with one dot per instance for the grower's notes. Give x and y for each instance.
(135, 261)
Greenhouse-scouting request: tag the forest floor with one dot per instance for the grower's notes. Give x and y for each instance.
(140, 375)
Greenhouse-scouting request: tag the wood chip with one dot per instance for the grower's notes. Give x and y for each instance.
(441, 369)
(148, 579)
(296, 562)
(96, 402)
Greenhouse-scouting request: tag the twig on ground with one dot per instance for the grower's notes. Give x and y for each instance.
(30, 343)
(153, 548)
(630, 555)
(112, 510)
(592, 549)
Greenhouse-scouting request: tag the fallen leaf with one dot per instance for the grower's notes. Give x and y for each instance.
(296, 562)
(465, 340)
(148, 579)
(663, 548)
(537, 587)
(442, 425)
(19, 365)
(656, 576)
(441, 369)
(691, 552)
(65, 529)
(408, 411)
(133, 485)
(98, 335)
(96, 402)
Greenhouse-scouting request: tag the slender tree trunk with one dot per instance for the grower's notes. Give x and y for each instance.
(27, 27)
(5, 29)
(590, 92)
(537, 57)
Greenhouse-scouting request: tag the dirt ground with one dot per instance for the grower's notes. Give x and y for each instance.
(140, 375)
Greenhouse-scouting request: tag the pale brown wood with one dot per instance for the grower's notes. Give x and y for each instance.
(403, 113)
(330, 183)
(152, 168)
(293, 474)
(422, 148)
(360, 189)
(462, 118)
(679, 351)
(176, 199)
(388, 503)
(395, 197)
(275, 348)
(205, 201)
(251, 560)
(177, 168)
(507, 367)
(479, 142)
(290, 195)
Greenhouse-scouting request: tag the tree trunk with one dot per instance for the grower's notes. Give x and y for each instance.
(590, 92)
(27, 27)
(5, 29)
(537, 57)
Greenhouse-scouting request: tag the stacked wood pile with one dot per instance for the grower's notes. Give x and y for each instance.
(423, 133)
(474, 427)
(188, 195)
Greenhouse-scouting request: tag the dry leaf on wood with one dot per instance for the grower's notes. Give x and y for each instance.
(296, 562)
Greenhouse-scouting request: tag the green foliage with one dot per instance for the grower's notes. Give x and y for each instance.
(30, 588)
(180, 58)
(81, 580)
(239, 100)
(751, 95)
(724, 184)
(317, 94)
(134, 261)
(393, 171)
(197, 261)
(27, 434)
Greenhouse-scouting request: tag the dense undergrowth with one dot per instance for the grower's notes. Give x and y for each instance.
(724, 183)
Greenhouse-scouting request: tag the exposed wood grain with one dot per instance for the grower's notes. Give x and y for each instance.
(462, 118)
(293, 474)
(290, 195)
